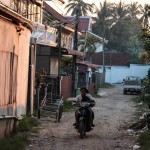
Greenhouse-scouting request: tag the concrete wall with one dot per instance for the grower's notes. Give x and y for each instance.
(5, 2)
(7, 126)
(116, 74)
(13, 41)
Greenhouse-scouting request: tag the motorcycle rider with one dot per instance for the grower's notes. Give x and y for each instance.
(85, 97)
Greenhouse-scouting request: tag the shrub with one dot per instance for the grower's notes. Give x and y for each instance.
(27, 123)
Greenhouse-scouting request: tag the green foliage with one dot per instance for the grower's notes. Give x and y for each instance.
(104, 19)
(135, 59)
(18, 140)
(119, 24)
(126, 33)
(66, 61)
(15, 142)
(67, 106)
(79, 7)
(144, 140)
(146, 38)
(27, 124)
(90, 44)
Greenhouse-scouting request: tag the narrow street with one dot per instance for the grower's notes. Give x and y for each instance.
(113, 114)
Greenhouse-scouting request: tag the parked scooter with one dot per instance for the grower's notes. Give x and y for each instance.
(84, 125)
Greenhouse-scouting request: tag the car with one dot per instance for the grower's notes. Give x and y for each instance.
(132, 84)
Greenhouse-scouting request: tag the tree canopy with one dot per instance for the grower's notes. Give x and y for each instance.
(120, 24)
(79, 6)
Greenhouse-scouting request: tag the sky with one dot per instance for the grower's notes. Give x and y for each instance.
(116, 1)
(62, 11)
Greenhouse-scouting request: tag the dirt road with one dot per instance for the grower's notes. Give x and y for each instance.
(113, 114)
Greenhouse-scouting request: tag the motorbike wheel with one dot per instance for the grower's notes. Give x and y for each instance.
(82, 128)
(60, 113)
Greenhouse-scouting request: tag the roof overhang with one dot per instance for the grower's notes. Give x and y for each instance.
(66, 51)
(98, 37)
(94, 66)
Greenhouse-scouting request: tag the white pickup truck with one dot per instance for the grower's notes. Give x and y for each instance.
(132, 84)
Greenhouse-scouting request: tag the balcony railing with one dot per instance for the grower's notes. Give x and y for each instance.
(30, 9)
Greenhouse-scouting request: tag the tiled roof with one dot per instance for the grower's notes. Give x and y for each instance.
(50, 10)
(84, 23)
(112, 59)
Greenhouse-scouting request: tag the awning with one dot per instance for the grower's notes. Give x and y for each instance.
(89, 65)
(66, 51)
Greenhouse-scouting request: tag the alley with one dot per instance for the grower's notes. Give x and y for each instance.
(113, 114)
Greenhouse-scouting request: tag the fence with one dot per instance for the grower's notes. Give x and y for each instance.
(66, 86)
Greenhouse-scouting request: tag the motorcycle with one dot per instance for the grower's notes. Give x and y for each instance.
(84, 125)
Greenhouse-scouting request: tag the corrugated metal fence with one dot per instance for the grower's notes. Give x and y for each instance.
(8, 77)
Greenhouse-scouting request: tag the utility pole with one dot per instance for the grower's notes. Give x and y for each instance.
(103, 55)
(75, 47)
(103, 47)
(59, 58)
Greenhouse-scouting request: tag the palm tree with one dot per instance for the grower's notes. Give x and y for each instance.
(134, 9)
(146, 14)
(121, 11)
(80, 6)
(104, 19)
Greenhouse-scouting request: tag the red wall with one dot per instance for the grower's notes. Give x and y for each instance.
(66, 87)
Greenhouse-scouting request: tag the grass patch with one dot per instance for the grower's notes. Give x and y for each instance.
(67, 106)
(144, 140)
(15, 142)
(107, 86)
(28, 124)
(18, 140)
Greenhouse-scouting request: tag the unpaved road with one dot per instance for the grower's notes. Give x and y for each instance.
(113, 114)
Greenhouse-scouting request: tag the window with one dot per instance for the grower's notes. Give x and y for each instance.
(24, 8)
(28, 9)
(54, 66)
(38, 14)
(8, 77)
(43, 62)
(14, 4)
